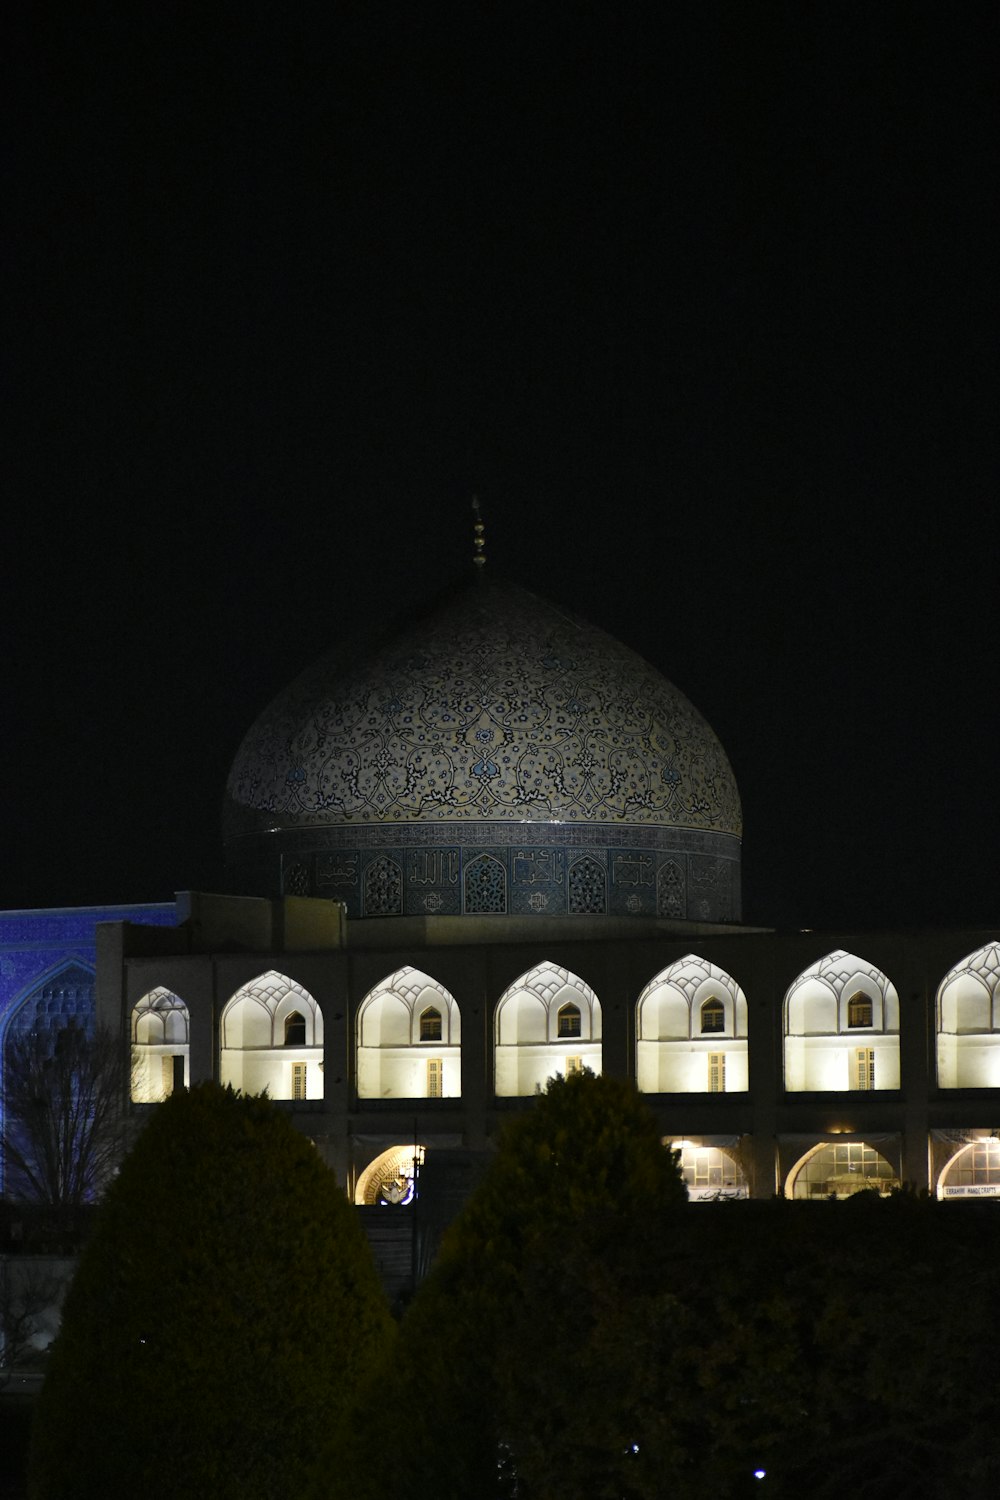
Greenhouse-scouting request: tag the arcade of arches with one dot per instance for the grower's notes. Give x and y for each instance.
(691, 1028)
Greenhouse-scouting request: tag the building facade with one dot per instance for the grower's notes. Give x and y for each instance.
(805, 1063)
(497, 847)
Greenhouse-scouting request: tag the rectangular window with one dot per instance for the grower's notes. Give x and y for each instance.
(298, 1080)
(864, 1067)
(574, 1065)
(716, 1072)
(435, 1078)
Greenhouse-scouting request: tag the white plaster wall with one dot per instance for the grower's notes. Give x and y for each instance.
(682, 1067)
(522, 1069)
(147, 1070)
(271, 1068)
(825, 1064)
(969, 1062)
(401, 1072)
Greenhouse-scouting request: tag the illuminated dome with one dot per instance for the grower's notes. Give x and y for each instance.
(499, 758)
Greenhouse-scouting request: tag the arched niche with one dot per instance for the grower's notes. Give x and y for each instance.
(409, 1040)
(161, 1046)
(529, 1047)
(841, 1030)
(838, 1169)
(390, 1180)
(968, 1022)
(254, 1052)
(691, 1031)
(64, 996)
(973, 1171)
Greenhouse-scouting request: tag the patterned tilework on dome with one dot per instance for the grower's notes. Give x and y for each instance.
(494, 736)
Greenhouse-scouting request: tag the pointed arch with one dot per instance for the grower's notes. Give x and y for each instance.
(295, 1029)
(62, 993)
(671, 897)
(485, 885)
(587, 885)
(841, 1027)
(253, 1051)
(968, 1021)
(409, 1039)
(531, 1045)
(383, 888)
(161, 1052)
(691, 1031)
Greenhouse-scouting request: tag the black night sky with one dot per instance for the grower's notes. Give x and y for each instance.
(699, 298)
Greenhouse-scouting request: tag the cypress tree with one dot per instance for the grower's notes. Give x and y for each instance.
(224, 1320)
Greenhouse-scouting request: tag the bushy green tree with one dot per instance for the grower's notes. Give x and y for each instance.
(532, 1354)
(224, 1319)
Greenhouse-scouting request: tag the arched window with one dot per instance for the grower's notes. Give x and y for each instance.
(837, 1169)
(295, 1029)
(568, 1021)
(713, 1015)
(859, 1010)
(430, 1025)
(973, 1172)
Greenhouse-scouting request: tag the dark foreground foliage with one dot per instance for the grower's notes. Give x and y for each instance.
(224, 1319)
(583, 1337)
(843, 1348)
(585, 1334)
(536, 1341)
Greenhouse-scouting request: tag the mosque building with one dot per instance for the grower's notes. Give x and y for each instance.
(498, 847)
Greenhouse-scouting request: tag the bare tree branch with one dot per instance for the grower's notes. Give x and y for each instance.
(63, 1121)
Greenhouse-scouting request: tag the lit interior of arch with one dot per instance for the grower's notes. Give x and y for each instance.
(709, 1173)
(397, 1056)
(838, 1169)
(254, 1054)
(968, 1022)
(973, 1172)
(161, 1050)
(529, 1049)
(676, 1051)
(390, 1180)
(823, 1051)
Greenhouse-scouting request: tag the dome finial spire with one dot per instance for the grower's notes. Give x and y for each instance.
(479, 543)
